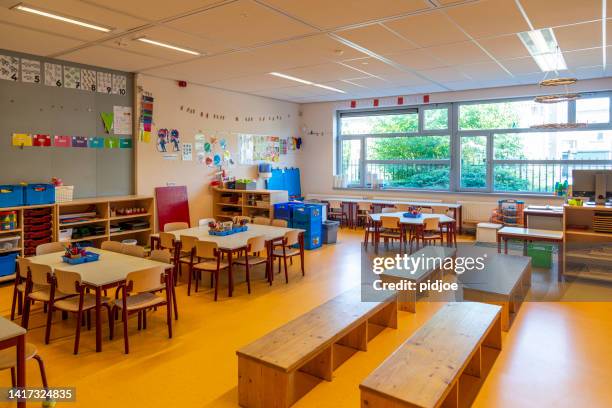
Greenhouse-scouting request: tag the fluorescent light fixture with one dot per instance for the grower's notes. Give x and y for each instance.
(28, 9)
(329, 87)
(304, 81)
(289, 77)
(543, 47)
(172, 47)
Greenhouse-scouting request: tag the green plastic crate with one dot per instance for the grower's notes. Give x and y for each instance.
(541, 255)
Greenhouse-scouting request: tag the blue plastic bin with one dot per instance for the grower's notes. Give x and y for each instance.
(309, 227)
(37, 194)
(284, 211)
(312, 240)
(308, 213)
(7, 264)
(11, 196)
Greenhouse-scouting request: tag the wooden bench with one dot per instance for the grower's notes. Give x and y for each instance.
(281, 367)
(443, 364)
(504, 281)
(407, 298)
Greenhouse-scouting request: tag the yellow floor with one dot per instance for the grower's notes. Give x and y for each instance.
(556, 354)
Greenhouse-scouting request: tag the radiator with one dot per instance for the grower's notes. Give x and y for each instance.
(477, 211)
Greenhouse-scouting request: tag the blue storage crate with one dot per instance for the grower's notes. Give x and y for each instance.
(310, 228)
(7, 264)
(284, 211)
(312, 240)
(37, 194)
(11, 196)
(308, 213)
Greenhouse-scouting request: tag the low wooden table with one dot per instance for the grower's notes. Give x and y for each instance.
(13, 335)
(443, 364)
(529, 234)
(406, 299)
(504, 281)
(282, 366)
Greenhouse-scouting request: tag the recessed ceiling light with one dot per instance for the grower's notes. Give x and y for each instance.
(28, 9)
(304, 81)
(543, 47)
(172, 47)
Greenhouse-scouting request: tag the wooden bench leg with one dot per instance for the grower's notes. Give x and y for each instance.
(494, 338)
(387, 316)
(261, 386)
(474, 366)
(406, 300)
(452, 398)
(321, 366)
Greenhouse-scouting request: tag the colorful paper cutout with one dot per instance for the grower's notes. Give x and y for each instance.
(22, 140)
(79, 141)
(96, 142)
(107, 118)
(125, 143)
(62, 141)
(41, 140)
(111, 142)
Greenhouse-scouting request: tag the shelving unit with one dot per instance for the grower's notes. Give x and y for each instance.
(106, 218)
(587, 253)
(228, 203)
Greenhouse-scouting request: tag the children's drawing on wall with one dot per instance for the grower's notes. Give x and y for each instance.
(175, 140)
(162, 140)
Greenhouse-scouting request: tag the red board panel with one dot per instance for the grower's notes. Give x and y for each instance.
(172, 205)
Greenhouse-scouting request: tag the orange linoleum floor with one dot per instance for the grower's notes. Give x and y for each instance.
(556, 354)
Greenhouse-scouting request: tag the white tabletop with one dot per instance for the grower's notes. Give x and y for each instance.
(237, 240)
(531, 233)
(9, 330)
(388, 202)
(414, 221)
(112, 267)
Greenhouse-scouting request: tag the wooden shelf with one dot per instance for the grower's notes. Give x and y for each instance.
(7, 278)
(128, 232)
(10, 231)
(259, 208)
(270, 196)
(89, 238)
(600, 276)
(6, 251)
(229, 204)
(76, 223)
(127, 217)
(588, 232)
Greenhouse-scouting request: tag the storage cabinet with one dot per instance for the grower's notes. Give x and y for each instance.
(228, 203)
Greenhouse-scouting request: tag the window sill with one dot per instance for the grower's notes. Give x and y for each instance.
(445, 192)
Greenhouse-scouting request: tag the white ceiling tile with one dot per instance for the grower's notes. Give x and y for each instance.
(589, 72)
(33, 42)
(374, 67)
(551, 13)
(153, 10)
(485, 71)
(377, 38)
(584, 58)
(242, 23)
(428, 29)
(579, 36)
(479, 19)
(338, 13)
(522, 66)
(505, 47)
(112, 58)
(372, 83)
(168, 36)
(444, 74)
(417, 59)
(325, 72)
(253, 83)
(460, 53)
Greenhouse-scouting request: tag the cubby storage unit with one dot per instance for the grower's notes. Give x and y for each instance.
(228, 203)
(587, 250)
(96, 220)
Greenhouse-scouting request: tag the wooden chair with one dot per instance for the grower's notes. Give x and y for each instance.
(167, 241)
(38, 289)
(279, 223)
(426, 210)
(19, 286)
(185, 247)
(336, 212)
(287, 250)
(161, 255)
(175, 226)
(134, 250)
(203, 222)
(402, 207)
(440, 210)
(391, 229)
(50, 248)
(369, 232)
(428, 233)
(364, 209)
(139, 285)
(387, 210)
(255, 245)
(261, 221)
(208, 260)
(238, 218)
(113, 246)
(69, 283)
(8, 360)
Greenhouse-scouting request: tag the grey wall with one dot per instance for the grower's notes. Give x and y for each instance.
(36, 108)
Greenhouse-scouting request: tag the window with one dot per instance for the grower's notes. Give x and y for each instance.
(491, 147)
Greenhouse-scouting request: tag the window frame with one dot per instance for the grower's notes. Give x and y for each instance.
(455, 134)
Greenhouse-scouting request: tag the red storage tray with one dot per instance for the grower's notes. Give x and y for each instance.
(37, 220)
(38, 235)
(38, 227)
(39, 212)
(33, 243)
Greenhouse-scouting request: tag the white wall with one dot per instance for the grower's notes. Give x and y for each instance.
(318, 152)
(153, 171)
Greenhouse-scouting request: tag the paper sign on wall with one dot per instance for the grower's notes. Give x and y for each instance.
(119, 84)
(122, 120)
(41, 140)
(125, 143)
(96, 142)
(79, 141)
(72, 77)
(22, 140)
(9, 68)
(88, 80)
(53, 74)
(105, 82)
(187, 152)
(62, 141)
(30, 71)
(111, 142)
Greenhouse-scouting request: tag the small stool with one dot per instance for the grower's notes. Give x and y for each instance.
(487, 232)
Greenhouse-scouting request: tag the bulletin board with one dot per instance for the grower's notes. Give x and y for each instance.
(32, 105)
(260, 148)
